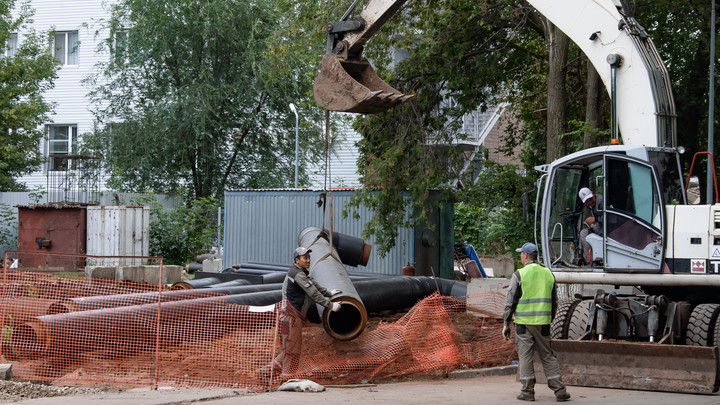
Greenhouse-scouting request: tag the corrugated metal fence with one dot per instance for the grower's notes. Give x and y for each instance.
(263, 226)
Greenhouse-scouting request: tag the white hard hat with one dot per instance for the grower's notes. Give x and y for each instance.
(585, 193)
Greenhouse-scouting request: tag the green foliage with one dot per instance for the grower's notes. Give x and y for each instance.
(489, 212)
(180, 235)
(8, 234)
(198, 95)
(463, 56)
(25, 77)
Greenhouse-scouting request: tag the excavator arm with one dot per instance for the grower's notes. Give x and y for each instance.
(346, 81)
(628, 64)
(615, 43)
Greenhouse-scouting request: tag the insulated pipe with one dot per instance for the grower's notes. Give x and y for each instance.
(636, 279)
(285, 267)
(195, 283)
(18, 310)
(109, 328)
(103, 328)
(403, 292)
(121, 300)
(327, 269)
(193, 267)
(261, 276)
(259, 266)
(231, 283)
(351, 250)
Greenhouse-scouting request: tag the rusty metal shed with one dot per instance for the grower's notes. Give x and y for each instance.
(52, 228)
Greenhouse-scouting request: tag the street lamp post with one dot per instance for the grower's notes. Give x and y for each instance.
(297, 122)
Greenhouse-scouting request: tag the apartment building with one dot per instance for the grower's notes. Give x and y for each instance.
(76, 25)
(78, 34)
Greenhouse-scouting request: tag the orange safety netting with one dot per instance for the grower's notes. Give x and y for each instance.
(212, 343)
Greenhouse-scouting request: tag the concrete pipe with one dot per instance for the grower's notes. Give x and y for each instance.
(327, 269)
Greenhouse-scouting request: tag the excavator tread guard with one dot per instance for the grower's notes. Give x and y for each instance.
(353, 86)
(636, 366)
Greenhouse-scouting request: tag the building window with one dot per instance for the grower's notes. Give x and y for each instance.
(11, 45)
(62, 141)
(66, 47)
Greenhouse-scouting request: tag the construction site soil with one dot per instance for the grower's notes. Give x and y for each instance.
(470, 328)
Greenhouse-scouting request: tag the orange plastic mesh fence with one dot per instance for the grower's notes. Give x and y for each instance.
(212, 343)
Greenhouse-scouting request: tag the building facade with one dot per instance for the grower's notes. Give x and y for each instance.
(78, 33)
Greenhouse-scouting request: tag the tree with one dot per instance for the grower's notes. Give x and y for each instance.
(464, 56)
(467, 55)
(195, 95)
(25, 76)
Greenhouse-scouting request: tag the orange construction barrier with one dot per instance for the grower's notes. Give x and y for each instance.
(209, 342)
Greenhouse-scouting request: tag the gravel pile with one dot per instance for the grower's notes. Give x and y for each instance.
(18, 391)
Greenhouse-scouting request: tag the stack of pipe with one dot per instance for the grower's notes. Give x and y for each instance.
(109, 322)
(83, 324)
(198, 266)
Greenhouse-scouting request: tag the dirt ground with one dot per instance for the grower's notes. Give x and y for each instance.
(470, 328)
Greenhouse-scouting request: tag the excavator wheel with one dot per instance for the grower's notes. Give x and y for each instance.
(561, 323)
(716, 334)
(579, 320)
(702, 325)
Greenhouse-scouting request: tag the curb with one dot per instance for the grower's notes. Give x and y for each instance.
(484, 372)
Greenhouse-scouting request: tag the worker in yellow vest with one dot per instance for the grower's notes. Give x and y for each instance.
(532, 299)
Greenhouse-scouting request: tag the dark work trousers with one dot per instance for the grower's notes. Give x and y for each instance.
(536, 338)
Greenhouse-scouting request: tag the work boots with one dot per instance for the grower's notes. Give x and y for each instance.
(561, 394)
(527, 392)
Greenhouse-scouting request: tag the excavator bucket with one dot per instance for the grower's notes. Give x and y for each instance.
(637, 366)
(353, 86)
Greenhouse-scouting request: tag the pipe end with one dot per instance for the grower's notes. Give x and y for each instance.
(367, 249)
(348, 322)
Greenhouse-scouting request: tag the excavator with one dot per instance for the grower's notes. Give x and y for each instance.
(647, 314)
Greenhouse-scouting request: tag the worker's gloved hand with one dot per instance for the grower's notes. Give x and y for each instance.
(506, 332)
(334, 292)
(335, 306)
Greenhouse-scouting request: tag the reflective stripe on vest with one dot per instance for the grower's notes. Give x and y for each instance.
(535, 304)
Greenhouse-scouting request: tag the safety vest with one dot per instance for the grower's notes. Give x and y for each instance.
(535, 304)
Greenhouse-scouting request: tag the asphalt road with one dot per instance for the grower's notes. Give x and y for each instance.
(477, 390)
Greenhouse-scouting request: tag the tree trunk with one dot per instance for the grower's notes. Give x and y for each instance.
(593, 108)
(556, 95)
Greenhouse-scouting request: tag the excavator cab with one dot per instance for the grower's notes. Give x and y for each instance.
(346, 81)
(628, 182)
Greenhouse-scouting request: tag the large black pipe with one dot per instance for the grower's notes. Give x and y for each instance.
(231, 283)
(121, 300)
(103, 328)
(253, 276)
(327, 269)
(258, 266)
(195, 283)
(134, 327)
(284, 268)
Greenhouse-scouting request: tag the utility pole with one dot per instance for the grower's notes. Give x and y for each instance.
(297, 122)
(711, 109)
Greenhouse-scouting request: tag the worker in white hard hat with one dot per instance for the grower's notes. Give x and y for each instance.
(301, 291)
(593, 223)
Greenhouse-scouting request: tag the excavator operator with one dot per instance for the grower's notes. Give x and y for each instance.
(594, 222)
